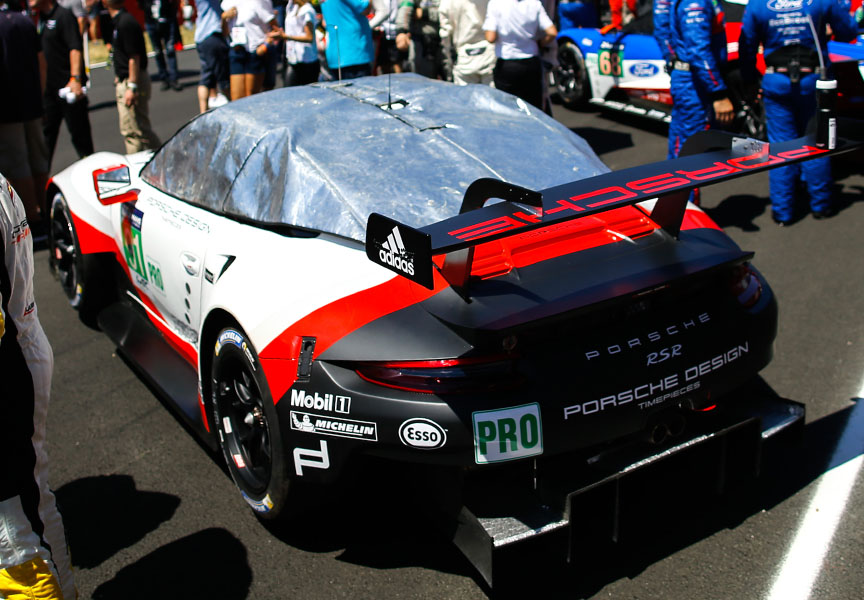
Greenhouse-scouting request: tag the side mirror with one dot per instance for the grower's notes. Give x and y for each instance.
(113, 185)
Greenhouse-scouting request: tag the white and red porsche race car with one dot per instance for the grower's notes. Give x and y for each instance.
(582, 309)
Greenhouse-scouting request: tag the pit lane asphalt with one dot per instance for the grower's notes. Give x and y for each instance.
(150, 514)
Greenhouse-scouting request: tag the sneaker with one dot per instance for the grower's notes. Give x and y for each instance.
(217, 101)
(165, 86)
(175, 85)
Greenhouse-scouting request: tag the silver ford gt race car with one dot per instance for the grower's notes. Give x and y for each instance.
(418, 272)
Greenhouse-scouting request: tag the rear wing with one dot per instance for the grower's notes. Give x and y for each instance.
(708, 157)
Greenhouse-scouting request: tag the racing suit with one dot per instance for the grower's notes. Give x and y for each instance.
(789, 85)
(34, 562)
(697, 47)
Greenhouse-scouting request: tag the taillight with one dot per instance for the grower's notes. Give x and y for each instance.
(448, 376)
(746, 285)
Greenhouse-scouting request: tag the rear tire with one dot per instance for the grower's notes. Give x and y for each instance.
(78, 274)
(571, 77)
(248, 425)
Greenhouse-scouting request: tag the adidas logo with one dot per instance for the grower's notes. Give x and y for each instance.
(394, 254)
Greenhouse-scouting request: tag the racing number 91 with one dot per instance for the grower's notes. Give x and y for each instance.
(609, 62)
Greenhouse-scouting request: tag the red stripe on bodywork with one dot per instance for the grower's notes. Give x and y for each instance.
(90, 239)
(334, 321)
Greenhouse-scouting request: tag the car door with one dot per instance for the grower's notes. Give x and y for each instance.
(165, 242)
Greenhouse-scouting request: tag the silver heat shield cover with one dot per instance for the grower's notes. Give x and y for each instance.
(324, 156)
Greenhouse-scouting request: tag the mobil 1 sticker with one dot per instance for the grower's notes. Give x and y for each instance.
(507, 433)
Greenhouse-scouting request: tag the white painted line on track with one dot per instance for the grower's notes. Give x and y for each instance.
(803, 561)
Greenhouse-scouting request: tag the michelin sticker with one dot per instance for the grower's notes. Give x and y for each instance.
(358, 430)
(507, 433)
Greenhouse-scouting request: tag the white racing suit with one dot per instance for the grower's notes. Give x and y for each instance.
(34, 561)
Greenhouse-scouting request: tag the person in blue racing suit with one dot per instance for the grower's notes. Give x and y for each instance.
(789, 86)
(692, 35)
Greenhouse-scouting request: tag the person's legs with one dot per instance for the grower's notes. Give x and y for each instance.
(51, 121)
(780, 120)
(170, 33)
(155, 35)
(77, 117)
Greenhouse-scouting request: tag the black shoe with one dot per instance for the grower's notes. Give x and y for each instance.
(175, 85)
(166, 85)
(825, 213)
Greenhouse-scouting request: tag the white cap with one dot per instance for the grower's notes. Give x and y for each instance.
(826, 84)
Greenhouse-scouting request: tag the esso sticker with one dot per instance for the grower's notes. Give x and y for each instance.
(423, 434)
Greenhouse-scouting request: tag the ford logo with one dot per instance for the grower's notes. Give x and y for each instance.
(786, 5)
(644, 69)
(422, 433)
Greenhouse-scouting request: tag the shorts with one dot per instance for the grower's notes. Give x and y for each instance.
(244, 62)
(389, 54)
(23, 151)
(213, 53)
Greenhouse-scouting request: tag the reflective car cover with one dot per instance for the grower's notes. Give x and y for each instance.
(325, 156)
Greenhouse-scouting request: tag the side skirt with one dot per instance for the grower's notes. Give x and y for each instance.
(156, 362)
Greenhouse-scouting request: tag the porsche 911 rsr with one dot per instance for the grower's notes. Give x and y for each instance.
(312, 276)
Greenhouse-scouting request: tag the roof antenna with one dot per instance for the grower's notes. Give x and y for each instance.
(392, 18)
(338, 53)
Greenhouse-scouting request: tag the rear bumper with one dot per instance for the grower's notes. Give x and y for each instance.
(595, 502)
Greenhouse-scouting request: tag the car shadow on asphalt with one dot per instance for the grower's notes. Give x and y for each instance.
(739, 211)
(104, 514)
(211, 563)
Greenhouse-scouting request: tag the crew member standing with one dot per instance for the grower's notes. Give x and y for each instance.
(518, 28)
(34, 562)
(132, 83)
(789, 87)
(697, 49)
(64, 58)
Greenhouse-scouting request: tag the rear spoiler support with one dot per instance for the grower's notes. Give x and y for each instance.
(707, 158)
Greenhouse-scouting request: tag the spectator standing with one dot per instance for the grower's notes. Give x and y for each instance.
(518, 28)
(34, 562)
(64, 58)
(349, 50)
(696, 35)
(427, 25)
(212, 50)
(462, 30)
(789, 87)
(160, 19)
(23, 152)
(132, 83)
(79, 11)
(392, 19)
(248, 22)
(300, 50)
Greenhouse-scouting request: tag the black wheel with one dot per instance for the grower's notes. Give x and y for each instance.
(79, 275)
(571, 78)
(248, 425)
